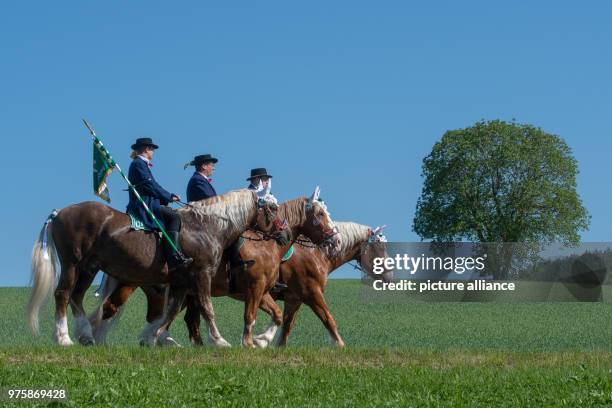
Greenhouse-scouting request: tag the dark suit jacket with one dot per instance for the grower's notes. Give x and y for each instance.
(150, 191)
(199, 188)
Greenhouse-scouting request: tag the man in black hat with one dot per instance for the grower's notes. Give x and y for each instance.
(257, 175)
(199, 186)
(157, 199)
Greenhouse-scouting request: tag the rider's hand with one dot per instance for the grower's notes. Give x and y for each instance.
(176, 197)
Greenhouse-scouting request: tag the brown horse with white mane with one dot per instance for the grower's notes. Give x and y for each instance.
(308, 269)
(300, 217)
(305, 272)
(87, 237)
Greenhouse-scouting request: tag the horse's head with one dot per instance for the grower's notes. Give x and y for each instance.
(319, 226)
(375, 247)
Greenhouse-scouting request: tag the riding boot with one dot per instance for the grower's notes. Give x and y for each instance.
(279, 287)
(175, 259)
(237, 265)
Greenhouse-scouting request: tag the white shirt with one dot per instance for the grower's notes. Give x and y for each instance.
(145, 160)
(205, 176)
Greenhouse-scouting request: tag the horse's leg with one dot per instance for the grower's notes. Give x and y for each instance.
(62, 297)
(269, 306)
(253, 296)
(176, 297)
(82, 331)
(192, 320)
(204, 297)
(319, 307)
(109, 311)
(289, 315)
(156, 299)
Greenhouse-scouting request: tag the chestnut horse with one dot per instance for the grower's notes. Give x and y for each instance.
(307, 271)
(300, 216)
(90, 236)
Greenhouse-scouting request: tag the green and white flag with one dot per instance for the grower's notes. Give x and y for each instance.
(102, 168)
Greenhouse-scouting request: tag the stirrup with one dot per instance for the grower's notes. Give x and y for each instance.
(279, 287)
(179, 262)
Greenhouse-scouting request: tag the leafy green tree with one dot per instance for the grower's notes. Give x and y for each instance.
(500, 182)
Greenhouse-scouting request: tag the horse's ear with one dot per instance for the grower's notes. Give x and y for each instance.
(378, 230)
(315, 194)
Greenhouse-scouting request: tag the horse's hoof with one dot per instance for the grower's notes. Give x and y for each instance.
(260, 343)
(147, 342)
(248, 345)
(196, 342)
(87, 341)
(166, 340)
(65, 341)
(221, 343)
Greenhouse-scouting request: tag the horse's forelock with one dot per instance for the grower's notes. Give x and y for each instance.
(321, 204)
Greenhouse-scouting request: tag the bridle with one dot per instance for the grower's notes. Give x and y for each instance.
(374, 236)
(328, 232)
(279, 226)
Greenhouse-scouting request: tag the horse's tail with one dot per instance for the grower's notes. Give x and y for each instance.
(44, 271)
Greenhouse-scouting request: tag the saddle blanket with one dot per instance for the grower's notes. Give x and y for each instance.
(137, 224)
(288, 254)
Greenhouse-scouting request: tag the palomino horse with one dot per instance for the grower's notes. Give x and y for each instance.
(300, 216)
(90, 236)
(306, 274)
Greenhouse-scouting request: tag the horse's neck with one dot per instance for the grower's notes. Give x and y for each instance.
(350, 254)
(225, 233)
(294, 212)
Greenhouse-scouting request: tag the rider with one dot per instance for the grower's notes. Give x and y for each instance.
(156, 198)
(199, 186)
(258, 175)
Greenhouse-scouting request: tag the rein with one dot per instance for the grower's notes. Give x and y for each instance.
(265, 236)
(306, 243)
(356, 266)
(309, 244)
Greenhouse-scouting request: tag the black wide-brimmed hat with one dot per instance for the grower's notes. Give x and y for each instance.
(201, 159)
(144, 141)
(259, 172)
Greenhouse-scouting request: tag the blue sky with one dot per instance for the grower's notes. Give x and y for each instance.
(347, 95)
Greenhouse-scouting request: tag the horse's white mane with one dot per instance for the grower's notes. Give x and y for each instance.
(352, 233)
(227, 212)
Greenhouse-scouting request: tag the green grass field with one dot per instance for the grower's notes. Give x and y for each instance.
(398, 354)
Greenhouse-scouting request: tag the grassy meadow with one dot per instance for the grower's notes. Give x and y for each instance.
(398, 354)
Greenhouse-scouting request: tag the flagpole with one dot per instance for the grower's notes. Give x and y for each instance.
(109, 159)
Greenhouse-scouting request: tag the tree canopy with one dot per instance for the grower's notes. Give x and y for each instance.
(500, 182)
